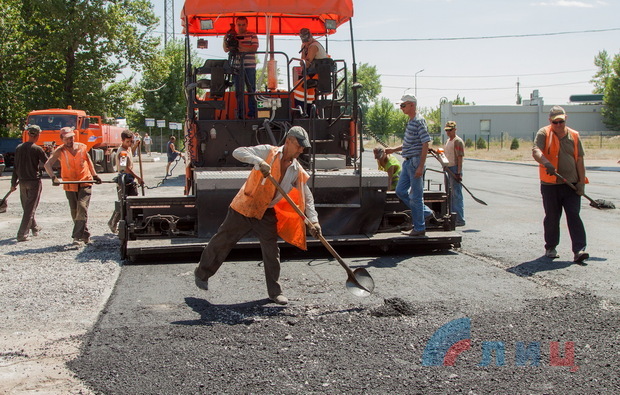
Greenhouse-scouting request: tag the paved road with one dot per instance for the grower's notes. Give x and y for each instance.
(159, 334)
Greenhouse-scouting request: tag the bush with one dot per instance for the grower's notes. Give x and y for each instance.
(469, 143)
(515, 144)
(436, 140)
(481, 143)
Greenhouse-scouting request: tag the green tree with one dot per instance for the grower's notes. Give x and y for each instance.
(14, 52)
(604, 74)
(160, 91)
(80, 47)
(370, 80)
(384, 120)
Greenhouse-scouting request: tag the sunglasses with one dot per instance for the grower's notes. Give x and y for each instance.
(403, 105)
(559, 121)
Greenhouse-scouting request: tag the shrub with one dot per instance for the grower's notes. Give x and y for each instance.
(469, 143)
(515, 144)
(481, 143)
(436, 140)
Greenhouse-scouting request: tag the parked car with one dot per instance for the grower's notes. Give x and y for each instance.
(2, 165)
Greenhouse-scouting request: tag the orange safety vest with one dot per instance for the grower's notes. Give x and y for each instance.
(552, 153)
(254, 197)
(74, 167)
(298, 92)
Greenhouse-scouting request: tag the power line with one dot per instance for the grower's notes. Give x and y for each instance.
(482, 37)
(490, 89)
(490, 76)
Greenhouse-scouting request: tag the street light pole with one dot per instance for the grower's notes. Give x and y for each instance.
(416, 82)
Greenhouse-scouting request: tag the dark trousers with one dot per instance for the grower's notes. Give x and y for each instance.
(555, 198)
(234, 227)
(78, 203)
(245, 78)
(29, 194)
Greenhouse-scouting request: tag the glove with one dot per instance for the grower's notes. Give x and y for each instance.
(55, 181)
(264, 168)
(550, 169)
(581, 188)
(315, 230)
(458, 176)
(97, 179)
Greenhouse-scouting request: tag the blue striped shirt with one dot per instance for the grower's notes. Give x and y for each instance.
(416, 134)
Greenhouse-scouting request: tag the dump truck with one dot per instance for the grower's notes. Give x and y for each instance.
(101, 139)
(352, 200)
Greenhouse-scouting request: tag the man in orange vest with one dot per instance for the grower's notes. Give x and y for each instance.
(75, 165)
(558, 150)
(259, 207)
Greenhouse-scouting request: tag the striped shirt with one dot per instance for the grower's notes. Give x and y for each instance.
(416, 134)
(248, 39)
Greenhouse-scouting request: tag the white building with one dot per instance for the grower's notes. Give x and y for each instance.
(521, 121)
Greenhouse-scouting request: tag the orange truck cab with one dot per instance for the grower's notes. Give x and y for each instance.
(101, 139)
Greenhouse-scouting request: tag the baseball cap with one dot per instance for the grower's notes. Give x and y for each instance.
(557, 112)
(66, 132)
(407, 98)
(33, 130)
(378, 152)
(450, 125)
(300, 134)
(304, 33)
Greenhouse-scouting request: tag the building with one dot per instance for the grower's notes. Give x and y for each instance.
(520, 121)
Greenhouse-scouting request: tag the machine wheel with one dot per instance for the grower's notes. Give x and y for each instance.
(108, 167)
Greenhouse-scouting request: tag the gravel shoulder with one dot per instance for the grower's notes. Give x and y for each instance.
(51, 291)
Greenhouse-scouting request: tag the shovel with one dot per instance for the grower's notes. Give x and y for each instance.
(598, 203)
(436, 156)
(359, 282)
(3, 204)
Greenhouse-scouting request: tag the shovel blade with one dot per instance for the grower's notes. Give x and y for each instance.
(363, 278)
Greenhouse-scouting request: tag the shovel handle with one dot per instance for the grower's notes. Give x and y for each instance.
(321, 238)
(86, 182)
(574, 188)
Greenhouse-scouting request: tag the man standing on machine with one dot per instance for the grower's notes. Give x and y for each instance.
(558, 150)
(241, 44)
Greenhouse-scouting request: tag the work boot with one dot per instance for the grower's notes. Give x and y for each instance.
(551, 253)
(580, 257)
(414, 233)
(23, 238)
(36, 230)
(279, 299)
(200, 283)
(77, 242)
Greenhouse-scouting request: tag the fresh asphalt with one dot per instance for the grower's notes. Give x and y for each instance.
(160, 334)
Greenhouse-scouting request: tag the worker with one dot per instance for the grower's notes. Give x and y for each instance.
(147, 143)
(76, 165)
(311, 50)
(454, 149)
(410, 188)
(389, 164)
(558, 149)
(173, 153)
(260, 208)
(242, 44)
(137, 143)
(124, 166)
(28, 156)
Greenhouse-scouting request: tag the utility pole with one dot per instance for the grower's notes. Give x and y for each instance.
(518, 93)
(168, 21)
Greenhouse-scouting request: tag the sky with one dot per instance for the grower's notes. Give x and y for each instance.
(427, 35)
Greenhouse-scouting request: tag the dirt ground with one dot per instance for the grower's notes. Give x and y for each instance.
(51, 291)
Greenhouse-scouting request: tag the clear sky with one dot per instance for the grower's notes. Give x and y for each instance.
(484, 71)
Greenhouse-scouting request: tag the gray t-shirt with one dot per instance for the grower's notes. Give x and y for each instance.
(567, 166)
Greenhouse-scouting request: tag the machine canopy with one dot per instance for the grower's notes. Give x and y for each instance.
(214, 17)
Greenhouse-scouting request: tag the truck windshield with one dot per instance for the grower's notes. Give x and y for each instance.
(53, 121)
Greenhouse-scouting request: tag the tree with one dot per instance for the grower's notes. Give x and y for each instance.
(605, 72)
(370, 80)
(161, 93)
(384, 120)
(78, 48)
